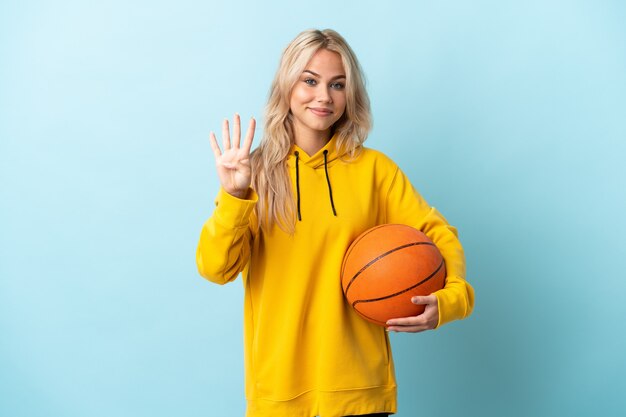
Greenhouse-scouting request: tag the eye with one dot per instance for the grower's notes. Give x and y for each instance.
(310, 81)
(338, 86)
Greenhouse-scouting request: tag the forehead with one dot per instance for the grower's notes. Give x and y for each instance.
(326, 63)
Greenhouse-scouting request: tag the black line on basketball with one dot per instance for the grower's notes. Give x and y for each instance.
(373, 261)
(382, 323)
(353, 245)
(371, 300)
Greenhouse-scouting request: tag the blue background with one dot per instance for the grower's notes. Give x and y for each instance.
(509, 117)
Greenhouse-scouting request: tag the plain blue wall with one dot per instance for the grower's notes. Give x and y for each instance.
(509, 117)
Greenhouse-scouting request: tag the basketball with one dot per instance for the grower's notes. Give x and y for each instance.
(385, 267)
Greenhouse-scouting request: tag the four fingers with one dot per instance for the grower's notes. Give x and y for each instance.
(236, 139)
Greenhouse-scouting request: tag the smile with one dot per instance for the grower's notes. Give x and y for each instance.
(320, 111)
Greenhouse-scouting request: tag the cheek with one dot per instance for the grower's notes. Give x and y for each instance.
(340, 103)
(298, 95)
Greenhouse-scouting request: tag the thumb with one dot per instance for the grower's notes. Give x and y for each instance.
(424, 299)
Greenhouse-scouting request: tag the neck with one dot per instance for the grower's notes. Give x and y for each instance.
(311, 141)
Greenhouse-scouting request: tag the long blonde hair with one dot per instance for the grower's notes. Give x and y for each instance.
(270, 175)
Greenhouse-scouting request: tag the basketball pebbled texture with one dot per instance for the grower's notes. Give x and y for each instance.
(385, 267)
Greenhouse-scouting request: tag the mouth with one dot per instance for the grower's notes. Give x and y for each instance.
(320, 111)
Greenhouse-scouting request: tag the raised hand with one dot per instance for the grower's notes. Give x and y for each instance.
(233, 163)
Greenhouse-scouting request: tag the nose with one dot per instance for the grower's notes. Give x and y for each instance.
(323, 94)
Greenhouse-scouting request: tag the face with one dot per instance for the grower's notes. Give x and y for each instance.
(318, 99)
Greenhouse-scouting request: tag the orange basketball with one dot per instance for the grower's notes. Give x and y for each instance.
(387, 265)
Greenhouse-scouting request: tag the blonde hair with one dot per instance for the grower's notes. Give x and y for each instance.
(270, 175)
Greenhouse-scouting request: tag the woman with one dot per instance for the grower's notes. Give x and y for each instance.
(285, 216)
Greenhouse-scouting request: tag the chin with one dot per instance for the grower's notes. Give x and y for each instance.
(321, 126)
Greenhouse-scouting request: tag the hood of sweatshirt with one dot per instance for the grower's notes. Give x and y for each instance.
(327, 155)
(322, 159)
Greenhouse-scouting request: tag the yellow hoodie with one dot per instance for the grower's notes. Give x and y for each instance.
(307, 352)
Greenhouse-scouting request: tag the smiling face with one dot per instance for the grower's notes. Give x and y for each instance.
(318, 99)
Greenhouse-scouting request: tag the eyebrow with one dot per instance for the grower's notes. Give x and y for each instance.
(317, 75)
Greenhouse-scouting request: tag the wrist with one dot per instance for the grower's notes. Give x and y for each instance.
(240, 194)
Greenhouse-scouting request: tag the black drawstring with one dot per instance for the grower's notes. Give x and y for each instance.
(298, 185)
(330, 190)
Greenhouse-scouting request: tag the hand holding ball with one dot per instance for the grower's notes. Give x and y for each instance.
(387, 265)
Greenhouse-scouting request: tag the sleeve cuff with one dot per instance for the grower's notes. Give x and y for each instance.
(234, 212)
(455, 301)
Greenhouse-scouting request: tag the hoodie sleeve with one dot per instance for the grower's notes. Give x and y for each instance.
(405, 206)
(224, 246)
